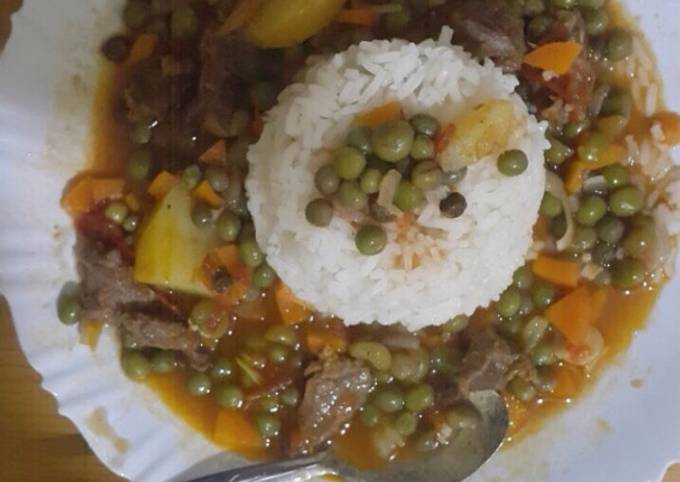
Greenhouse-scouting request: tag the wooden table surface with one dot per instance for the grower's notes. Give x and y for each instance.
(39, 445)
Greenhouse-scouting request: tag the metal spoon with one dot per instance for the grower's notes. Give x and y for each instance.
(462, 456)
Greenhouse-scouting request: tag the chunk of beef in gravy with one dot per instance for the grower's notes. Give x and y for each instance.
(332, 396)
(153, 331)
(489, 29)
(486, 362)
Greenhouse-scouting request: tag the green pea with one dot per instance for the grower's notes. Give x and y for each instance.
(626, 201)
(282, 334)
(443, 359)
(423, 148)
(545, 379)
(610, 229)
(264, 276)
(319, 212)
(383, 377)
(163, 361)
(564, 4)
(135, 365)
(360, 139)
(201, 312)
(510, 327)
(596, 21)
(408, 197)
(349, 163)
(513, 162)
(139, 165)
(604, 254)
(463, 417)
(558, 152)
(370, 415)
(574, 129)
(290, 397)
(523, 277)
(591, 209)
(229, 397)
(544, 354)
(228, 226)
(538, 26)
(351, 196)
(131, 223)
(201, 215)
(615, 176)
(278, 354)
(406, 424)
(419, 398)
(542, 294)
(136, 14)
(593, 146)
(456, 324)
(453, 205)
(183, 22)
(389, 400)
(451, 178)
(370, 181)
(426, 175)
(425, 124)
(372, 352)
(612, 126)
(268, 425)
(558, 227)
(396, 22)
(269, 403)
(371, 240)
(526, 304)
(250, 252)
(69, 309)
(222, 369)
(533, 331)
(638, 241)
(199, 384)
(410, 367)
(327, 180)
(618, 102)
(393, 140)
(217, 178)
(619, 45)
(508, 303)
(628, 273)
(551, 206)
(522, 389)
(584, 239)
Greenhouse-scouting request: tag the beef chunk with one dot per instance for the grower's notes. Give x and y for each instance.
(107, 283)
(489, 29)
(154, 331)
(486, 362)
(332, 396)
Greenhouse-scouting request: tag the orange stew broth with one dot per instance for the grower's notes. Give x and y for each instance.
(623, 315)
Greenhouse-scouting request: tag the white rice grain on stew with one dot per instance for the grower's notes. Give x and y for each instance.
(438, 267)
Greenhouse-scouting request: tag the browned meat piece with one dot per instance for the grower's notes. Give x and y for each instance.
(486, 362)
(332, 397)
(489, 29)
(107, 283)
(155, 332)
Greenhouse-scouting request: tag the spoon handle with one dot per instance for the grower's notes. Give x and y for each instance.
(269, 471)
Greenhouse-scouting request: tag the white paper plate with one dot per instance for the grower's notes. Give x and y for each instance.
(47, 80)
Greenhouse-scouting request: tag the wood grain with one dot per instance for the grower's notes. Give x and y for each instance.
(39, 445)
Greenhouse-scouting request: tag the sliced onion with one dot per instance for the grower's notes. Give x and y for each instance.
(555, 186)
(388, 188)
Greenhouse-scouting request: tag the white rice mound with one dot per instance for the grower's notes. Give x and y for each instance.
(424, 276)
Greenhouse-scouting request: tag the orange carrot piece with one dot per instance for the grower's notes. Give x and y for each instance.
(107, 188)
(561, 272)
(78, 198)
(358, 16)
(555, 57)
(379, 115)
(291, 308)
(215, 154)
(670, 126)
(90, 331)
(234, 431)
(162, 184)
(230, 258)
(573, 181)
(318, 339)
(573, 315)
(611, 155)
(443, 138)
(567, 382)
(204, 192)
(599, 301)
(132, 202)
(142, 48)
